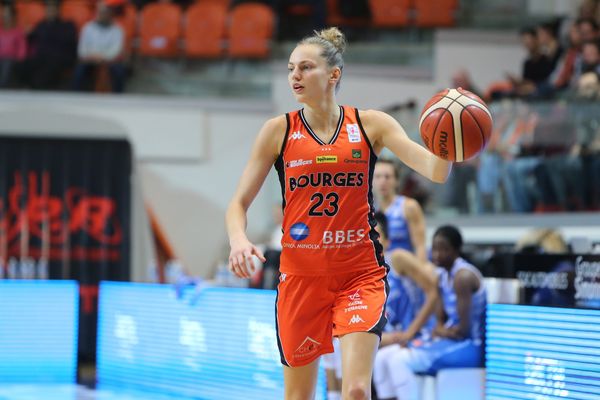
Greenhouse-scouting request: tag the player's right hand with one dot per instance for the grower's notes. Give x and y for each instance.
(240, 257)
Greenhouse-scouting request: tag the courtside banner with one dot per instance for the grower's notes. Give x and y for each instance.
(65, 214)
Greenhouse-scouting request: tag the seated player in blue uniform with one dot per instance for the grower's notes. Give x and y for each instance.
(458, 338)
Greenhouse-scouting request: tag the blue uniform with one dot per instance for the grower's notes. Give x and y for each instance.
(468, 352)
(398, 232)
(403, 303)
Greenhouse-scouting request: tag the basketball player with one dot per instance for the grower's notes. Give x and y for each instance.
(459, 340)
(406, 223)
(333, 276)
(413, 293)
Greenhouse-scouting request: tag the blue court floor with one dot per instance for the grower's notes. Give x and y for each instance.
(74, 392)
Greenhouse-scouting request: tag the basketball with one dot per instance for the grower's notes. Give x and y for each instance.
(455, 124)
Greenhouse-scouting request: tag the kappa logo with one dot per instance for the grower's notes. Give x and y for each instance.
(297, 136)
(355, 319)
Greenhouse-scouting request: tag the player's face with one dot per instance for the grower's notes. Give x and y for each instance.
(442, 252)
(384, 179)
(309, 75)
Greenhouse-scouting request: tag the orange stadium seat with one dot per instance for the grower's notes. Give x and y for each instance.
(335, 17)
(435, 13)
(1, 13)
(29, 14)
(160, 30)
(251, 28)
(128, 21)
(77, 11)
(204, 31)
(390, 13)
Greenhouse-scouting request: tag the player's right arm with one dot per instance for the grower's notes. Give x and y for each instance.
(264, 153)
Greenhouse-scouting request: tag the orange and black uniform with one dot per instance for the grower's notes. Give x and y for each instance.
(333, 276)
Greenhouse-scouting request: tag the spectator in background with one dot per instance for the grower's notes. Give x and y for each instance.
(536, 68)
(567, 64)
(549, 44)
(54, 50)
(587, 72)
(100, 45)
(13, 45)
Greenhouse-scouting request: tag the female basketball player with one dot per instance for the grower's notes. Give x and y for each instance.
(459, 340)
(332, 279)
(406, 222)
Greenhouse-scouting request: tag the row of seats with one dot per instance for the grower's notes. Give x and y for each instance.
(420, 13)
(206, 29)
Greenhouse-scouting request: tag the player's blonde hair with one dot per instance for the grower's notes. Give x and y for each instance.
(333, 42)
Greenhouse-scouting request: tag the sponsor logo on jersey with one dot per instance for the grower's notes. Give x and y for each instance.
(355, 296)
(299, 231)
(355, 319)
(326, 159)
(298, 163)
(341, 237)
(356, 157)
(353, 133)
(326, 179)
(308, 347)
(297, 136)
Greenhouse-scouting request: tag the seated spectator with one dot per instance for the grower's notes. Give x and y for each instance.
(459, 335)
(100, 45)
(533, 81)
(566, 67)
(13, 46)
(54, 48)
(587, 71)
(54, 44)
(550, 47)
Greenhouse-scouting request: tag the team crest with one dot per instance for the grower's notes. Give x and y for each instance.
(353, 133)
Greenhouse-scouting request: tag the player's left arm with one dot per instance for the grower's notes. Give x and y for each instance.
(384, 131)
(465, 284)
(416, 227)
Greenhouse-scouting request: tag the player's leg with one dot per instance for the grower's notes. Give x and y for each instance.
(304, 331)
(358, 355)
(359, 318)
(300, 382)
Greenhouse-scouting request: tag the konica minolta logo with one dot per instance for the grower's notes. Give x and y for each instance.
(299, 231)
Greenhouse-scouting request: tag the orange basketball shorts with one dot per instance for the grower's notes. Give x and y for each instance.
(310, 310)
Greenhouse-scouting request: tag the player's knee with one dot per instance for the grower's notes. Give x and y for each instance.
(359, 391)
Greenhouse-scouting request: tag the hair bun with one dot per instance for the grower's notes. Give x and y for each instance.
(335, 36)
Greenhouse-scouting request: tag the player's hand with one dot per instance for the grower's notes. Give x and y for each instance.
(240, 257)
(402, 338)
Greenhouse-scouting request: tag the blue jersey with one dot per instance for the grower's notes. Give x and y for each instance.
(478, 302)
(404, 302)
(398, 232)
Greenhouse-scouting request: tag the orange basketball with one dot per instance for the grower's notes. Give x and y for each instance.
(455, 124)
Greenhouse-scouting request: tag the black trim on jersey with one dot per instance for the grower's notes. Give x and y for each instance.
(364, 133)
(280, 164)
(380, 325)
(314, 135)
(279, 345)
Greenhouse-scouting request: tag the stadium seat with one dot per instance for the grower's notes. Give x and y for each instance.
(204, 31)
(390, 13)
(226, 3)
(335, 17)
(160, 30)
(435, 13)
(29, 14)
(76, 11)
(251, 29)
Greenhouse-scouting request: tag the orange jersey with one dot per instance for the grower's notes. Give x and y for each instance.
(328, 223)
